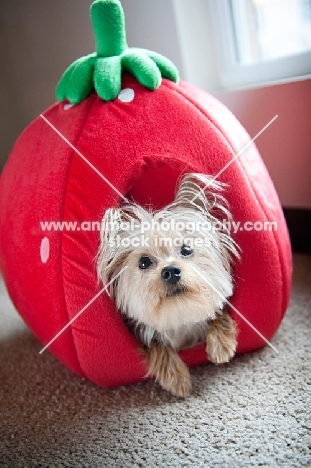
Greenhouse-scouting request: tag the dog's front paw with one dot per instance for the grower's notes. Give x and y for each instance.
(179, 383)
(218, 352)
(169, 370)
(221, 339)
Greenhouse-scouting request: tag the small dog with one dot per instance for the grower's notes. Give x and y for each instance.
(177, 275)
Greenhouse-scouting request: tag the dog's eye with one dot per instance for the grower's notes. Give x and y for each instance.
(185, 251)
(144, 262)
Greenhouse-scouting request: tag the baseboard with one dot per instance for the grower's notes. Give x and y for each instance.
(299, 226)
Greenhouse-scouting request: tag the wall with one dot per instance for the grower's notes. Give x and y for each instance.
(194, 29)
(286, 145)
(40, 38)
(151, 25)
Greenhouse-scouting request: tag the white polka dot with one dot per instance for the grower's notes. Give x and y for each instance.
(45, 250)
(67, 106)
(126, 95)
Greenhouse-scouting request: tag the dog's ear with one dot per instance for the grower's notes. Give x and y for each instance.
(117, 224)
(201, 192)
(111, 227)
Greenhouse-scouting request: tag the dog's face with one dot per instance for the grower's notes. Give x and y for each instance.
(176, 264)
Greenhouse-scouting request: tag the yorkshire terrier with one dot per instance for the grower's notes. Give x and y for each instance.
(177, 275)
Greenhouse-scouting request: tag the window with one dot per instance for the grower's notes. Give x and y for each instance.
(261, 40)
(270, 29)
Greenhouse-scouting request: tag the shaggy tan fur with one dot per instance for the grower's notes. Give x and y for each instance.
(221, 339)
(168, 369)
(168, 317)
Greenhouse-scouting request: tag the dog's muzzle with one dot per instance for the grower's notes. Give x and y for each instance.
(171, 274)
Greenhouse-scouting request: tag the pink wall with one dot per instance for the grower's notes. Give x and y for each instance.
(286, 145)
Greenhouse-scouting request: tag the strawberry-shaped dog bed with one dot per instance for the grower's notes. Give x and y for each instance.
(126, 127)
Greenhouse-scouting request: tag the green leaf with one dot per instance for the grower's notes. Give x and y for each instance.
(142, 67)
(166, 67)
(81, 81)
(61, 89)
(107, 77)
(70, 83)
(102, 70)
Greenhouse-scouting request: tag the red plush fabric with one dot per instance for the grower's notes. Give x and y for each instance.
(141, 147)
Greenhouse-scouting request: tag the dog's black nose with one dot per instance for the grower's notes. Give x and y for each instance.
(171, 274)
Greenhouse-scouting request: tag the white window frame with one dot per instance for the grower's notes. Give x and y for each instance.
(234, 75)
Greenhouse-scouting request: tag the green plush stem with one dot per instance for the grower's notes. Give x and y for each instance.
(109, 28)
(102, 70)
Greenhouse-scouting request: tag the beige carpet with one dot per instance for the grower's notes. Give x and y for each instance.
(252, 412)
